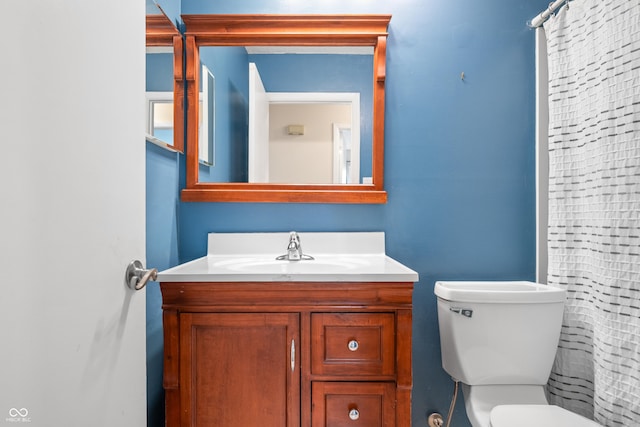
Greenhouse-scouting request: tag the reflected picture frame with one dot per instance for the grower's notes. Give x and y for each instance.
(206, 135)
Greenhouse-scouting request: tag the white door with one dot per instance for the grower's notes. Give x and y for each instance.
(72, 337)
(258, 128)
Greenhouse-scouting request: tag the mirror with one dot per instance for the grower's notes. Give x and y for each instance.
(336, 64)
(307, 109)
(164, 82)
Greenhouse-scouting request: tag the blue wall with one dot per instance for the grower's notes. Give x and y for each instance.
(163, 170)
(163, 181)
(172, 9)
(459, 161)
(230, 67)
(159, 72)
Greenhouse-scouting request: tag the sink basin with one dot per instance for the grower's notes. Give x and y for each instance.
(262, 265)
(251, 257)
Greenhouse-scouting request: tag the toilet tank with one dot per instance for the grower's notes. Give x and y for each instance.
(499, 332)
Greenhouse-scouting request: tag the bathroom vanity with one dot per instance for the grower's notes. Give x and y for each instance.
(255, 341)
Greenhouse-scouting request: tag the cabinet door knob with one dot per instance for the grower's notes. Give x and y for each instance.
(353, 345)
(354, 414)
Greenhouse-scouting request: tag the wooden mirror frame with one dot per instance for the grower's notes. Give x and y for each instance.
(161, 33)
(285, 30)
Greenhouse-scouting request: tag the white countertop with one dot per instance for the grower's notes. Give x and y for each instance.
(251, 257)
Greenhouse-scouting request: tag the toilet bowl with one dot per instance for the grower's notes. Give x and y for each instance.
(499, 340)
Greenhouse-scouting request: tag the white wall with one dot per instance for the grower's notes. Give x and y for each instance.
(308, 158)
(72, 347)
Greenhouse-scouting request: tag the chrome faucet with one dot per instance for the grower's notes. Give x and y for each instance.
(294, 249)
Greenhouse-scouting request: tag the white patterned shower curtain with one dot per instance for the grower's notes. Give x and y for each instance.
(593, 49)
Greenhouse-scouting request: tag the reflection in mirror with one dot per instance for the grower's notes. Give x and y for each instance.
(325, 85)
(207, 118)
(306, 137)
(160, 117)
(346, 151)
(230, 115)
(330, 87)
(323, 145)
(165, 119)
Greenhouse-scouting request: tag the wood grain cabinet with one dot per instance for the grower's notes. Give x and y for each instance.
(287, 354)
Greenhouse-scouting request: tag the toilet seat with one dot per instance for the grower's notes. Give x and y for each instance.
(536, 416)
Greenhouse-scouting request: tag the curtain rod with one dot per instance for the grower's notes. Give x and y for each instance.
(542, 16)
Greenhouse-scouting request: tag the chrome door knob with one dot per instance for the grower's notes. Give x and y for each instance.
(136, 276)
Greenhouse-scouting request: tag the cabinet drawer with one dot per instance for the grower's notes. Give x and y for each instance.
(337, 404)
(353, 344)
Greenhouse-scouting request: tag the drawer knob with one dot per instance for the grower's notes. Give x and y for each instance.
(354, 414)
(353, 345)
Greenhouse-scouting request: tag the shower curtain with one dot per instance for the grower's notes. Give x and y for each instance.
(593, 49)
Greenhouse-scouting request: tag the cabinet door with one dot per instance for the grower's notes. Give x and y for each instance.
(239, 369)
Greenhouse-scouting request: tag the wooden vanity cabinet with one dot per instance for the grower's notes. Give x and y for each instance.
(294, 354)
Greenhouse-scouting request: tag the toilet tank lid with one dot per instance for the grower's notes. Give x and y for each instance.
(498, 292)
(536, 416)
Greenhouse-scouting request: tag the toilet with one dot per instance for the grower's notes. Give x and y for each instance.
(499, 339)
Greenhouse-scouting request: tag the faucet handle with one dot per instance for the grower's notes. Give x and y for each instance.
(294, 239)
